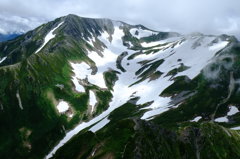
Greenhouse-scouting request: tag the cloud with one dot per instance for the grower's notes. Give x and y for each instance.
(16, 24)
(184, 16)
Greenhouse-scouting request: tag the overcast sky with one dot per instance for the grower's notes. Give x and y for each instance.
(184, 16)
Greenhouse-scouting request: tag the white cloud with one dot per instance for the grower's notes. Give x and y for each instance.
(17, 24)
(207, 16)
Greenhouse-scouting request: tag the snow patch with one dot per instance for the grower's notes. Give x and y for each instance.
(78, 87)
(218, 46)
(49, 36)
(19, 100)
(3, 59)
(92, 100)
(62, 107)
(196, 119)
(141, 32)
(99, 125)
(61, 86)
(222, 119)
(91, 41)
(130, 44)
(236, 128)
(150, 114)
(151, 44)
(233, 110)
(83, 71)
(155, 43)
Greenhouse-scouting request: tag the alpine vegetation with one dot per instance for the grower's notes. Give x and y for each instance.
(78, 88)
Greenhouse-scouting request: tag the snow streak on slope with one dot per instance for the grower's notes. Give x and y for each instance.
(233, 110)
(78, 87)
(99, 125)
(19, 100)
(92, 100)
(218, 46)
(174, 54)
(196, 119)
(151, 44)
(3, 59)
(48, 37)
(236, 128)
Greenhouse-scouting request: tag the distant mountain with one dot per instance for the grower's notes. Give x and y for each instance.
(97, 88)
(6, 37)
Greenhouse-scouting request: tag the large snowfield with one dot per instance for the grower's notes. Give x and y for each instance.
(175, 52)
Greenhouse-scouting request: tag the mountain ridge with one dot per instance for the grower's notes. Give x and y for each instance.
(79, 79)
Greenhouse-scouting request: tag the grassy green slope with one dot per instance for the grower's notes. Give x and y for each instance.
(33, 131)
(128, 137)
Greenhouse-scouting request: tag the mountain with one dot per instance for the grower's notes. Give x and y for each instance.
(96, 88)
(5, 37)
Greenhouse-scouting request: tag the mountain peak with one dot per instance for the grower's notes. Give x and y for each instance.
(100, 81)
(85, 27)
(71, 16)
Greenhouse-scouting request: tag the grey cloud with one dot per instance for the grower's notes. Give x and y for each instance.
(17, 24)
(184, 16)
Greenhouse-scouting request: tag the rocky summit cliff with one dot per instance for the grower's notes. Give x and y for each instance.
(82, 88)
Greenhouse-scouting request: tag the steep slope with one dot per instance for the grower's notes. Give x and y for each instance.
(117, 86)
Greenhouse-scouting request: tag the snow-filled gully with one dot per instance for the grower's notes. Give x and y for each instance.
(48, 37)
(147, 91)
(3, 59)
(230, 91)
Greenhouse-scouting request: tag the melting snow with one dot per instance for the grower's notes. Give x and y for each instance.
(196, 59)
(78, 87)
(151, 44)
(233, 110)
(91, 41)
(3, 59)
(218, 46)
(49, 36)
(99, 125)
(62, 107)
(196, 119)
(221, 119)
(61, 86)
(236, 128)
(70, 115)
(150, 114)
(83, 71)
(130, 44)
(80, 127)
(144, 44)
(92, 100)
(19, 100)
(103, 64)
(116, 42)
(188, 57)
(142, 32)
(147, 91)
